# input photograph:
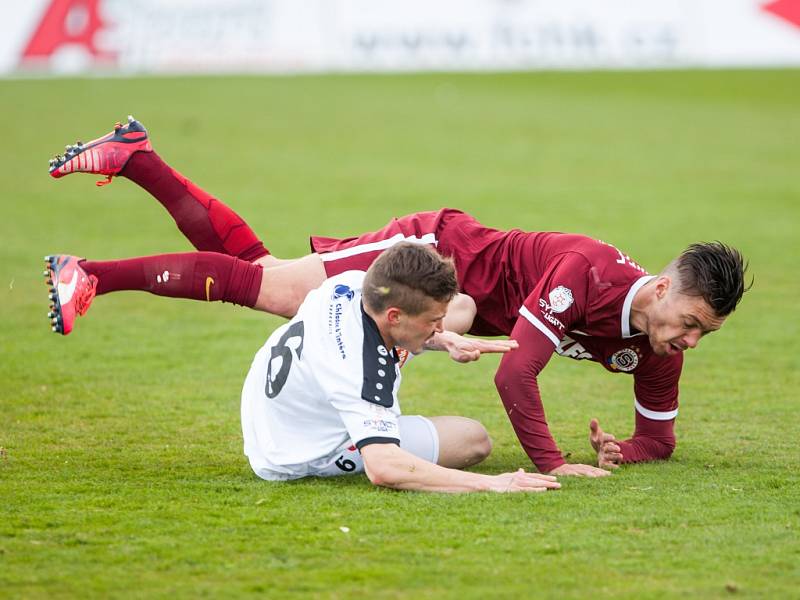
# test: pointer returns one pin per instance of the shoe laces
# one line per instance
(84, 298)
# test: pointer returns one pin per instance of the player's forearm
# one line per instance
(414, 474)
(390, 466)
(651, 440)
(642, 449)
(520, 396)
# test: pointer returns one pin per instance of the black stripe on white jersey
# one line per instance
(379, 365)
(376, 440)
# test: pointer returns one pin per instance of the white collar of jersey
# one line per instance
(626, 306)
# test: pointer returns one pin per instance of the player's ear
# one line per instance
(393, 315)
(663, 283)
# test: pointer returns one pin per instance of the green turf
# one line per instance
(121, 470)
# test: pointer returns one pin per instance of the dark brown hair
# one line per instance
(407, 276)
(715, 272)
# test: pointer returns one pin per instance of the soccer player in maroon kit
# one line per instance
(551, 292)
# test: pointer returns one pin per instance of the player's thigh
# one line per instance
(284, 287)
(269, 261)
(462, 441)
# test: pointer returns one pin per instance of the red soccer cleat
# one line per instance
(104, 156)
(71, 290)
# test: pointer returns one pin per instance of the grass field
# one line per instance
(121, 468)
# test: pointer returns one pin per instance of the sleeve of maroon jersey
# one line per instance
(656, 403)
(559, 298)
(558, 301)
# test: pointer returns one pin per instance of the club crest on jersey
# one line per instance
(342, 291)
(625, 360)
(560, 299)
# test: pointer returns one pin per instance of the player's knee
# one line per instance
(480, 444)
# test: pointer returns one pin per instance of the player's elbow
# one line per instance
(664, 446)
(667, 448)
(508, 378)
(503, 379)
(379, 467)
(652, 448)
(383, 475)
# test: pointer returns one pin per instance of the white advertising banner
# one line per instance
(184, 36)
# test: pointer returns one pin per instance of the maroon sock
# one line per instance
(207, 223)
(196, 275)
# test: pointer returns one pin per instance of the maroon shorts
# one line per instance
(357, 253)
(475, 249)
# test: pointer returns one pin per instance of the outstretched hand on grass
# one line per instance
(579, 470)
(521, 481)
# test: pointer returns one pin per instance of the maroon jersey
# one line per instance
(551, 292)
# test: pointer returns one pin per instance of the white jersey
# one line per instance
(324, 381)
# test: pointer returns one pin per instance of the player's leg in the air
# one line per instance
(211, 226)
(207, 223)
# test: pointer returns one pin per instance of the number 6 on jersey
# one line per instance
(282, 354)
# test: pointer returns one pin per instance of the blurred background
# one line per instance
(290, 36)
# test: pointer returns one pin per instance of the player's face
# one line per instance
(679, 321)
(412, 331)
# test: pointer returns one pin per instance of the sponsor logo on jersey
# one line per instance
(342, 291)
(547, 314)
(560, 299)
(625, 360)
(335, 326)
(379, 410)
(572, 349)
(380, 425)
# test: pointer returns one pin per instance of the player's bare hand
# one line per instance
(463, 350)
(609, 454)
(579, 470)
(520, 481)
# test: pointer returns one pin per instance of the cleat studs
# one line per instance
(51, 296)
(55, 329)
(51, 315)
(46, 272)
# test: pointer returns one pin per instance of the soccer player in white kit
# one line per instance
(321, 395)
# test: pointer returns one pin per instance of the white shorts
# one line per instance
(418, 436)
